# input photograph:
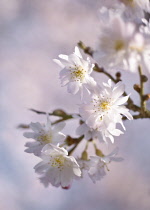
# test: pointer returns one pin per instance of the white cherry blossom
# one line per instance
(89, 133)
(75, 72)
(134, 9)
(106, 109)
(43, 134)
(131, 10)
(120, 45)
(56, 167)
(98, 165)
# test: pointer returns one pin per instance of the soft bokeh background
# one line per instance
(32, 33)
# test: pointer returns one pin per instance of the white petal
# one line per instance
(77, 52)
(58, 127)
(118, 90)
(58, 138)
(117, 159)
(74, 59)
(77, 171)
(81, 129)
(116, 132)
(73, 87)
(64, 72)
(59, 63)
(48, 125)
(88, 135)
(66, 177)
(91, 120)
(36, 127)
(64, 81)
(114, 152)
(40, 167)
(121, 100)
(29, 135)
(128, 115)
(64, 57)
(90, 84)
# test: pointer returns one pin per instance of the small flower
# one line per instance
(43, 134)
(131, 10)
(89, 133)
(98, 165)
(56, 167)
(76, 72)
(106, 109)
(135, 9)
(97, 169)
(123, 47)
(113, 49)
(84, 166)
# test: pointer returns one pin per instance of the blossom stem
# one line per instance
(77, 143)
(143, 102)
(98, 152)
(58, 113)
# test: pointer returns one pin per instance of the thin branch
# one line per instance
(57, 113)
(77, 143)
(143, 102)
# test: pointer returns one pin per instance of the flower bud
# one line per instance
(59, 112)
(69, 140)
(137, 88)
(99, 153)
(84, 155)
(144, 78)
(146, 97)
(67, 187)
(118, 75)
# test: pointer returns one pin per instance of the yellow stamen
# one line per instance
(78, 73)
(58, 161)
(119, 45)
(105, 105)
(45, 139)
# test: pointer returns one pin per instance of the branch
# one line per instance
(57, 113)
(78, 140)
(143, 102)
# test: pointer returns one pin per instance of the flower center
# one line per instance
(78, 74)
(45, 139)
(105, 106)
(57, 161)
(119, 45)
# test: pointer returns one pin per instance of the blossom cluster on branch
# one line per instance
(123, 44)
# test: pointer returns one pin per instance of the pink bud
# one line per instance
(67, 187)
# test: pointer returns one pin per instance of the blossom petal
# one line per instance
(118, 90)
(121, 100)
(77, 52)
(73, 87)
(59, 126)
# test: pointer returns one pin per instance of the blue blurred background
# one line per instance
(33, 32)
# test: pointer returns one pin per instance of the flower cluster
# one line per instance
(123, 44)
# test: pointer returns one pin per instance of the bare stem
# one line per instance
(58, 113)
(143, 102)
(76, 144)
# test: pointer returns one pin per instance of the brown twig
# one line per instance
(143, 102)
(78, 140)
(57, 113)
